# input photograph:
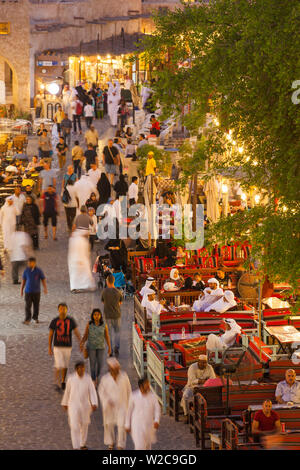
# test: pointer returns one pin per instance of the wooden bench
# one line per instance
(139, 355)
(140, 315)
(203, 423)
(230, 438)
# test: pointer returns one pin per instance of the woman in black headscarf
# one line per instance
(121, 187)
(104, 190)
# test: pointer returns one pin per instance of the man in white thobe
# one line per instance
(143, 416)
(227, 339)
(198, 373)
(113, 99)
(8, 218)
(114, 393)
(79, 400)
(153, 307)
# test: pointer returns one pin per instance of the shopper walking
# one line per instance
(60, 335)
(114, 393)
(112, 299)
(32, 277)
(96, 334)
(79, 400)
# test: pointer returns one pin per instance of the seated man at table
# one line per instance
(152, 306)
(198, 373)
(227, 339)
(288, 390)
(226, 302)
(265, 421)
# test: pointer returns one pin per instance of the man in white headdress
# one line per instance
(8, 218)
(152, 306)
(150, 281)
(113, 99)
(198, 373)
(225, 303)
(143, 416)
(79, 400)
(80, 272)
(227, 339)
(114, 392)
(212, 293)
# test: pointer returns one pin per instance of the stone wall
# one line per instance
(26, 39)
(14, 49)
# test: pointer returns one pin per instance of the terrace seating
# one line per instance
(203, 423)
(230, 438)
(289, 416)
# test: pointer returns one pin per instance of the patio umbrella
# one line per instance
(211, 191)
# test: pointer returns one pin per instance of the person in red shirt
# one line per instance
(155, 128)
(265, 421)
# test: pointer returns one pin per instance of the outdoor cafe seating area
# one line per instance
(164, 346)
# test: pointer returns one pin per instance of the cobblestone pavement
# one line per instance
(30, 413)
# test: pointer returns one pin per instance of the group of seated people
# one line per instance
(265, 421)
(211, 298)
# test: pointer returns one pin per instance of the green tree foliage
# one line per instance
(241, 58)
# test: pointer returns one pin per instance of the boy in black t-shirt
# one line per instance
(61, 152)
(61, 328)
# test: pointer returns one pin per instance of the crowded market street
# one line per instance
(31, 416)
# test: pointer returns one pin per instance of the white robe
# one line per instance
(221, 306)
(80, 395)
(83, 188)
(224, 341)
(81, 277)
(21, 246)
(8, 214)
(143, 412)
(113, 99)
(117, 391)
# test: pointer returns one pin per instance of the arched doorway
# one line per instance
(8, 84)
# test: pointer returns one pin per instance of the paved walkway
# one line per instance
(30, 413)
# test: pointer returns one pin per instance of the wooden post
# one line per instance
(195, 202)
(259, 315)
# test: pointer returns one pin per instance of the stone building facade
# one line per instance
(33, 26)
(28, 28)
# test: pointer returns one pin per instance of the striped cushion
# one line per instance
(277, 369)
(228, 252)
(146, 264)
(246, 247)
(178, 376)
(241, 396)
(254, 346)
(191, 349)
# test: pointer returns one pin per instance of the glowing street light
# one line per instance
(53, 88)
